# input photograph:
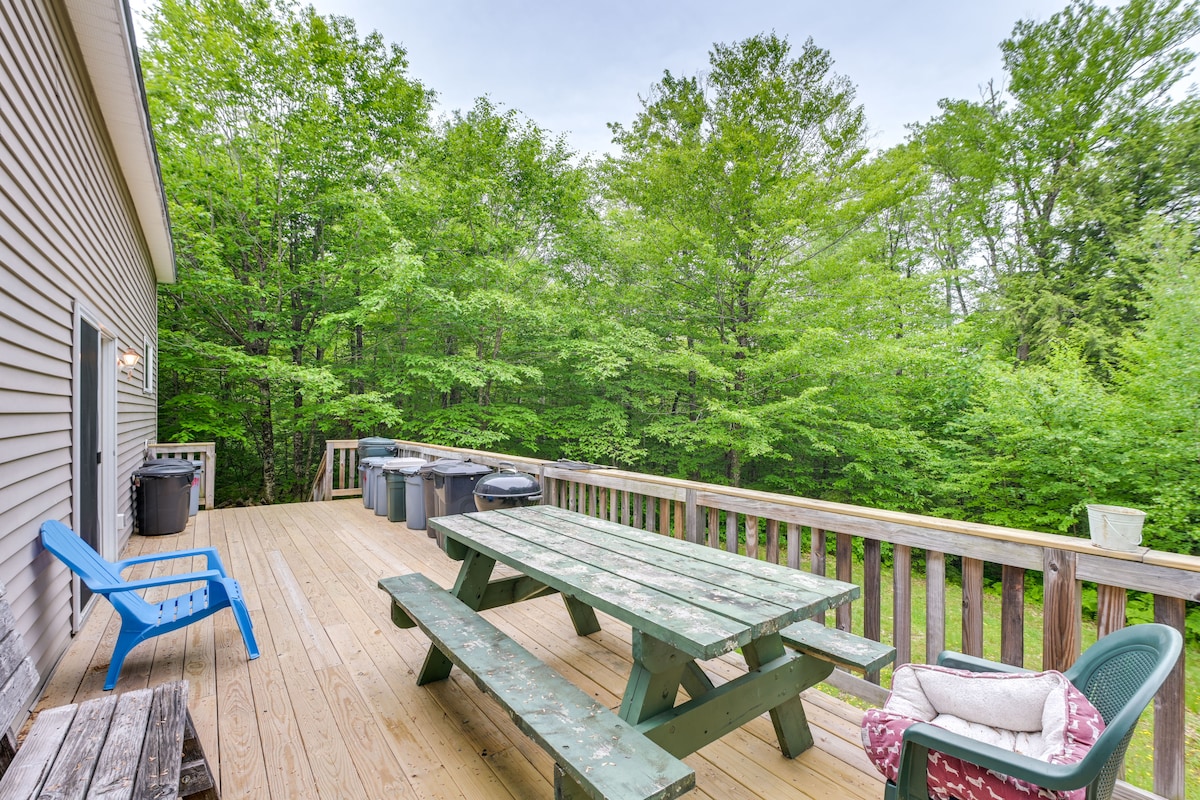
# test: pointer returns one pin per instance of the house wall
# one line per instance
(68, 236)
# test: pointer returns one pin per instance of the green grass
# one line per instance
(1139, 762)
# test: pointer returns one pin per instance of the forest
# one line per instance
(993, 321)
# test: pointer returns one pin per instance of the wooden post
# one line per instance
(1012, 617)
(1169, 711)
(731, 531)
(714, 528)
(972, 607)
(1061, 623)
(210, 474)
(330, 449)
(902, 603)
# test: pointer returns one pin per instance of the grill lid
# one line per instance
(507, 482)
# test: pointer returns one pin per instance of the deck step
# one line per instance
(605, 755)
(844, 649)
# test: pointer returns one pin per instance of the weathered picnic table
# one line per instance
(686, 604)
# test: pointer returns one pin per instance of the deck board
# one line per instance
(332, 709)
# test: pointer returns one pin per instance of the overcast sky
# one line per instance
(572, 66)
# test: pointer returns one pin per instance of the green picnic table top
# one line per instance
(699, 600)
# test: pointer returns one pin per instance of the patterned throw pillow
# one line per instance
(1038, 714)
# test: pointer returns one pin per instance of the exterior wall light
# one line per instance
(128, 360)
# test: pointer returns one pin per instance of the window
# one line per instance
(148, 366)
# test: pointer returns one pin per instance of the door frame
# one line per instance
(107, 411)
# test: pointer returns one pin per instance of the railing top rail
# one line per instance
(742, 500)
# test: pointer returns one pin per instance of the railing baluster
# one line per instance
(751, 536)
(872, 611)
(773, 540)
(935, 605)
(793, 545)
(1012, 617)
(902, 603)
(818, 559)
(972, 607)
(714, 528)
(731, 531)
(1110, 609)
(844, 571)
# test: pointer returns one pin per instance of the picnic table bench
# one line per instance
(685, 603)
(596, 753)
(138, 745)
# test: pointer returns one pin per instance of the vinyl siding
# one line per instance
(68, 235)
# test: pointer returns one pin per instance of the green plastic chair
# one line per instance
(1120, 675)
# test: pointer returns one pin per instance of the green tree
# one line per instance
(277, 130)
(1087, 87)
(726, 185)
(1156, 431)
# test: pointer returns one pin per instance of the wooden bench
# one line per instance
(841, 648)
(136, 745)
(596, 753)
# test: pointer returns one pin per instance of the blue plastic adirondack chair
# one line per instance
(141, 620)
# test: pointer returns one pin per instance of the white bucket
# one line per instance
(1115, 527)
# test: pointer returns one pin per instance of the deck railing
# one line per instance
(782, 529)
(204, 452)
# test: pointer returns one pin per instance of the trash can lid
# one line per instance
(428, 467)
(373, 461)
(374, 440)
(165, 468)
(402, 464)
(459, 468)
(507, 482)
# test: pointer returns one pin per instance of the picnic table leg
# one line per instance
(654, 679)
(789, 719)
(470, 588)
(583, 616)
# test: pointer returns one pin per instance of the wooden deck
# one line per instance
(331, 708)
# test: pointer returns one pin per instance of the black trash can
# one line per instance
(507, 488)
(454, 485)
(377, 446)
(164, 492)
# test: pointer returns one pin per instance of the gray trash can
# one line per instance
(194, 509)
(379, 491)
(364, 478)
(394, 471)
(414, 500)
